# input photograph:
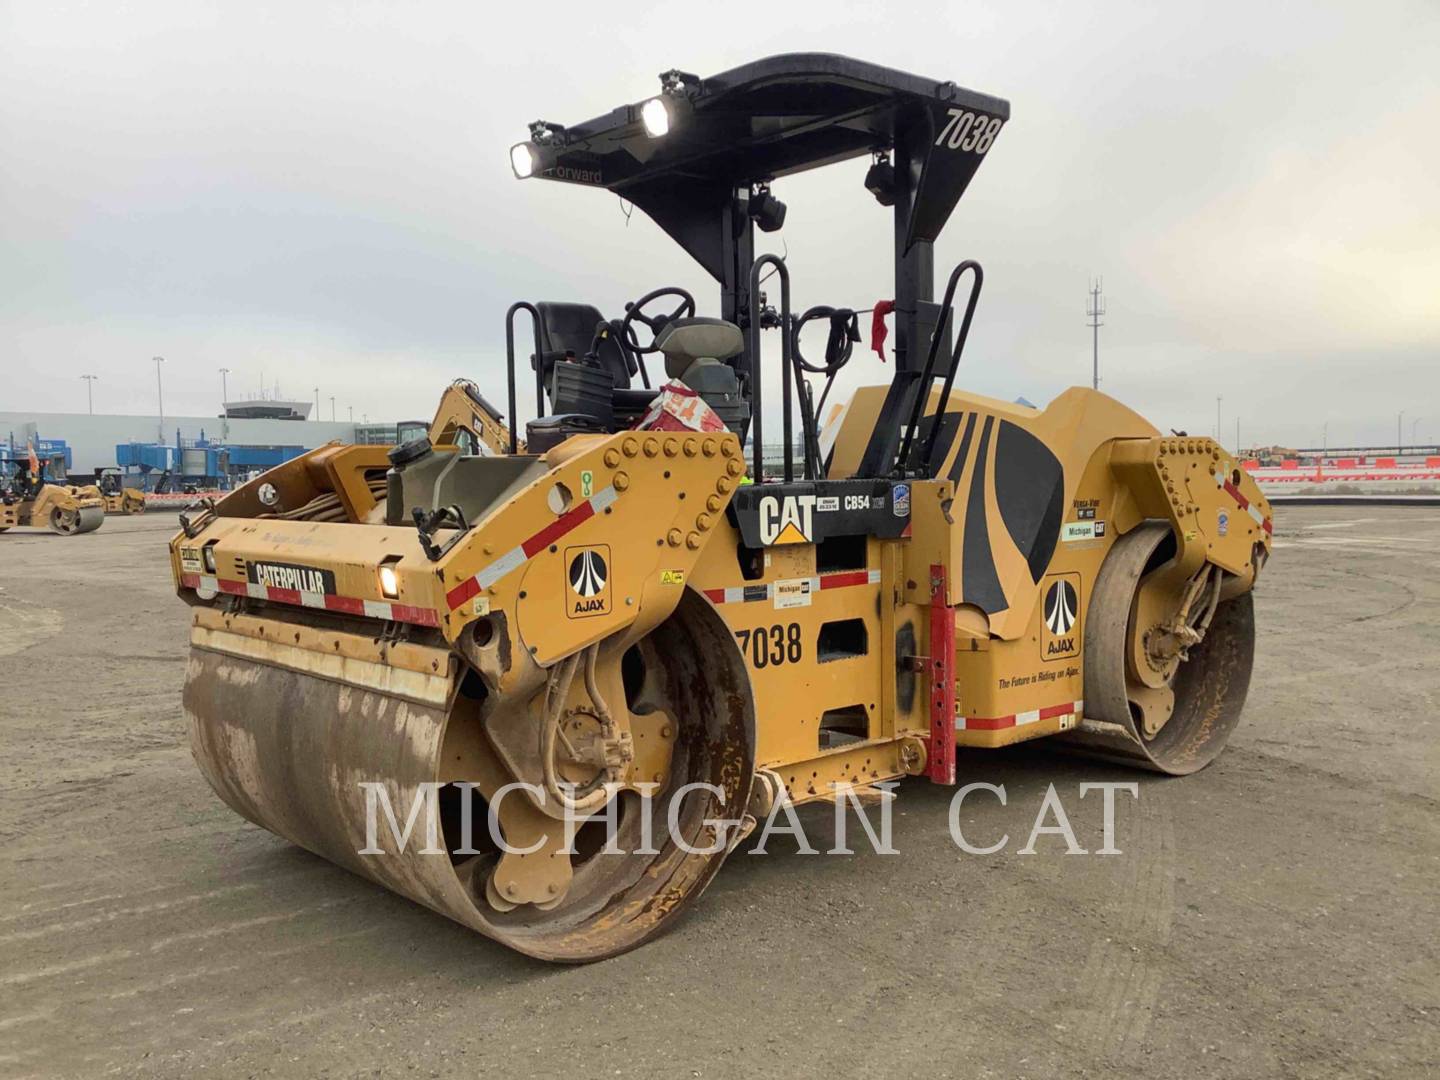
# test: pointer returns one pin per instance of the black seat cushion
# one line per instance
(571, 328)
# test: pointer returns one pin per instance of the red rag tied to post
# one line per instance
(878, 331)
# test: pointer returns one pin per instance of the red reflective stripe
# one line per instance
(462, 592)
(347, 604)
(996, 723)
(988, 723)
(843, 580)
(1234, 493)
(410, 614)
(558, 528)
(1268, 526)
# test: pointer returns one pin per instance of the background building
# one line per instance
(92, 439)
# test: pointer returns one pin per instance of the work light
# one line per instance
(523, 158)
(766, 209)
(539, 152)
(655, 115)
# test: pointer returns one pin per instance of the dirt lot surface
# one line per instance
(1275, 915)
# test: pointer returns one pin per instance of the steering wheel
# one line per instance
(656, 323)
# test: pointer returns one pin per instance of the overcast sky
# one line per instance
(320, 194)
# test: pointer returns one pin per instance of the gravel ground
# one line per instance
(1275, 915)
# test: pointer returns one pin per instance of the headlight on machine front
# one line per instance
(389, 582)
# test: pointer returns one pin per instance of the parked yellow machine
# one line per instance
(59, 508)
(623, 611)
(466, 420)
(114, 495)
(108, 488)
(27, 500)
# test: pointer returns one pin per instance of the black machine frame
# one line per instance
(704, 181)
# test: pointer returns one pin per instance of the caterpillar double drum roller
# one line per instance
(635, 601)
(109, 487)
(29, 500)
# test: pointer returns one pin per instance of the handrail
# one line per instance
(927, 374)
(756, 399)
(521, 305)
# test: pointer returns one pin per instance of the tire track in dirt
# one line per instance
(92, 921)
(1121, 981)
(113, 956)
(23, 624)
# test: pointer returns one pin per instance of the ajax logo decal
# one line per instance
(1060, 607)
(587, 570)
(787, 519)
(1061, 636)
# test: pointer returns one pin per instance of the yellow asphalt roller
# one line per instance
(630, 637)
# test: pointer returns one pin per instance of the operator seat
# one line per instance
(570, 329)
(586, 371)
(695, 353)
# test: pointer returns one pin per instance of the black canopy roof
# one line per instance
(782, 115)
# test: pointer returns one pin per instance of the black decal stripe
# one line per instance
(957, 469)
(980, 585)
(1030, 491)
(949, 425)
(881, 450)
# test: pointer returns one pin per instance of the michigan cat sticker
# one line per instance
(587, 576)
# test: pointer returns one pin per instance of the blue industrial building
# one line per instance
(201, 451)
(201, 461)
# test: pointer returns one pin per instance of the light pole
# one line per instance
(352, 412)
(1413, 424)
(1218, 399)
(1325, 439)
(332, 408)
(1400, 433)
(160, 396)
(1094, 309)
(224, 389)
(317, 403)
(90, 391)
